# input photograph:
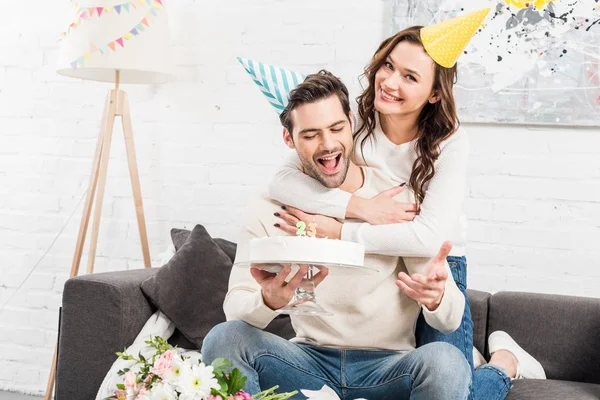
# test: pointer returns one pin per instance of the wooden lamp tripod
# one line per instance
(116, 104)
(107, 44)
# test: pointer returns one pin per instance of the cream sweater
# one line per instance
(441, 218)
(370, 311)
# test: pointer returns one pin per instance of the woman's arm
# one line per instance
(291, 186)
(440, 211)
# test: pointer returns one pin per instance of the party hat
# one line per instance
(274, 82)
(445, 41)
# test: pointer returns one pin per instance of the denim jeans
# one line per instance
(434, 371)
(489, 382)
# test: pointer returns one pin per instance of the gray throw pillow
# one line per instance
(191, 287)
(179, 237)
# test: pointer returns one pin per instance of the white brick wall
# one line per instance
(208, 141)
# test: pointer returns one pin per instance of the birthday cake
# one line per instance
(306, 250)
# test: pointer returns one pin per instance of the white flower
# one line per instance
(196, 383)
(173, 374)
(161, 391)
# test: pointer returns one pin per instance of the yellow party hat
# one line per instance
(446, 40)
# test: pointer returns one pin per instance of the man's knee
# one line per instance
(450, 367)
(225, 337)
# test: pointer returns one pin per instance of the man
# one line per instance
(367, 348)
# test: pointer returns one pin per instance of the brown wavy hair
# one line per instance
(436, 122)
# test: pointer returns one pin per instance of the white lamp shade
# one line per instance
(109, 35)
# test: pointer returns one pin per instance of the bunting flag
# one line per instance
(136, 30)
(275, 83)
(86, 13)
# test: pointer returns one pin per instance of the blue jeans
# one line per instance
(489, 382)
(434, 371)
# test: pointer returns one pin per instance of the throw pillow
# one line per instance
(179, 237)
(191, 287)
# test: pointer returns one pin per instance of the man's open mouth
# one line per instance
(330, 163)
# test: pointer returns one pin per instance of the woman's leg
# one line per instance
(488, 383)
(462, 338)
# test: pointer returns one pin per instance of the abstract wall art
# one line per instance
(531, 62)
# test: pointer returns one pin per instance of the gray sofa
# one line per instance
(102, 313)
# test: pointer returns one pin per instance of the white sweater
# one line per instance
(441, 218)
(370, 311)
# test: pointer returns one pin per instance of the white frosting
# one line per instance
(306, 250)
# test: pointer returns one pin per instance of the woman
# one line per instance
(408, 128)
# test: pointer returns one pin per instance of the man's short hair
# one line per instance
(315, 87)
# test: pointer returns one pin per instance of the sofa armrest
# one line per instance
(101, 314)
(561, 332)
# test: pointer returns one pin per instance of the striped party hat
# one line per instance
(274, 82)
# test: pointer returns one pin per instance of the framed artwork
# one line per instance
(531, 62)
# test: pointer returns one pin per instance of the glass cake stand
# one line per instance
(304, 301)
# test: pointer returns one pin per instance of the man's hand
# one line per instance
(428, 289)
(326, 226)
(382, 209)
(276, 291)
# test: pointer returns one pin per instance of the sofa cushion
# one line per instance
(534, 389)
(180, 236)
(561, 332)
(191, 287)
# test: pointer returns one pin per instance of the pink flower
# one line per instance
(130, 380)
(163, 364)
(121, 394)
(213, 397)
(244, 395)
(148, 378)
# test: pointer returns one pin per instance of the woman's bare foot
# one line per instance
(518, 363)
(506, 360)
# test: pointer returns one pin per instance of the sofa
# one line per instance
(103, 313)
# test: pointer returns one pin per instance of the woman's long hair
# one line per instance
(436, 122)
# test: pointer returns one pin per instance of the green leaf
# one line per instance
(120, 386)
(221, 365)
(236, 381)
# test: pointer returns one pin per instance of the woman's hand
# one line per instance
(326, 226)
(382, 209)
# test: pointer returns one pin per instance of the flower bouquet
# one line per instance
(170, 375)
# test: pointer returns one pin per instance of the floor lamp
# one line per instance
(117, 42)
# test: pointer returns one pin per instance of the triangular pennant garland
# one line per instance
(136, 30)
